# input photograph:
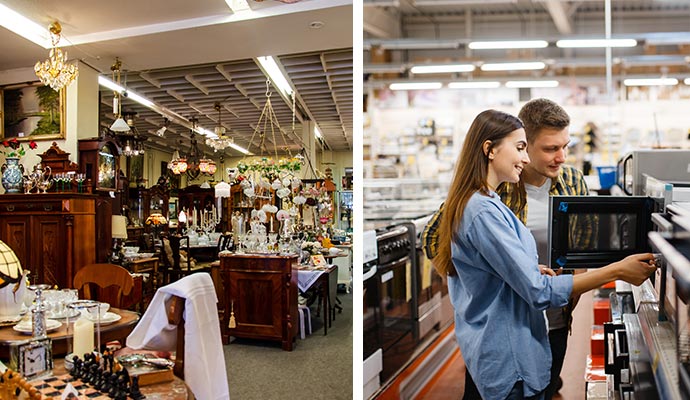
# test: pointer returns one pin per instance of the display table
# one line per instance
(261, 291)
(325, 279)
(62, 340)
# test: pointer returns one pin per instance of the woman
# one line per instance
(497, 288)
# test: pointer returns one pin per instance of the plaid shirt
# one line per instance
(570, 182)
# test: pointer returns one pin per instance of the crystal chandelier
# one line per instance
(222, 141)
(56, 72)
(132, 142)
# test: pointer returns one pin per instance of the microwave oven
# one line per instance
(671, 165)
(593, 231)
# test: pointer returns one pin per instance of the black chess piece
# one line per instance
(134, 391)
(76, 371)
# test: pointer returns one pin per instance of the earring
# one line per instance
(491, 156)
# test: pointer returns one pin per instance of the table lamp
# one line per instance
(119, 232)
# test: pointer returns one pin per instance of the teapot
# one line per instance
(13, 293)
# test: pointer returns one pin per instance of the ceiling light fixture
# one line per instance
(532, 84)
(161, 132)
(317, 132)
(221, 141)
(514, 66)
(194, 163)
(415, 86)
(119, 125)
(273, 72)
(440, 69)
(509, 44)
(56, 72)
(474, 85)
(24, 27)
(579, 43)
(650, 82)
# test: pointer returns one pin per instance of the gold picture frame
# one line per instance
(32, 111)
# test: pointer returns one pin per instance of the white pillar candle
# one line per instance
(271, 224)
(83, 336)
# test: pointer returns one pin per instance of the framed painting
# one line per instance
(32, 111)
(135, 170)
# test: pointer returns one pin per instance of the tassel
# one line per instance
(232, 324)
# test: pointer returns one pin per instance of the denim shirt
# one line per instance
(498, 295)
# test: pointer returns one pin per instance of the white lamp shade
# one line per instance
(119, 225)
(222, 189)
(10, 267)
(182, 217)
(119, 126)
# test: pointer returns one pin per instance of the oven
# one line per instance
(430, 287)
(397, 297)
(371, 317)
(671, 165)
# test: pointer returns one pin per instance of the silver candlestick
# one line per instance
(38, 312)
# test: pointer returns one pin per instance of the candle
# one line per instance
(83, 337)
(271, 224)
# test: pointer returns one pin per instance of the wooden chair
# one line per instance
(174, 308)
(112, 280)
(172, 264)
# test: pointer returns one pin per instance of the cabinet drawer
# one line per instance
(31, 206)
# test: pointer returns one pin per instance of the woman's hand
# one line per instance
(636, 268)
(546, 270)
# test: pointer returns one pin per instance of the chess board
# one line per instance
(52, 387)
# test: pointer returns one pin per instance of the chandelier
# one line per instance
(56, 72)
(222, 141)
(132, 142)
(194, 163)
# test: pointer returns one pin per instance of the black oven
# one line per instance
(397, 297)
(593, 231)
(430, 287)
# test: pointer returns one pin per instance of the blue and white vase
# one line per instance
(12, 175)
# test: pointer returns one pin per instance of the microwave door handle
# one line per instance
(625, 162)
(369, 274)
(674, 259)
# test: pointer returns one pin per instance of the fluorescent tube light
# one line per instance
(509, 44)
(650, 82)
(686, 81)
(103, 81)
(440, 69)
(240, 149)
(25, 27)
(570, 43)
(531, 84)
(415, 86)
(474, 85)
(516, 66)
(317, 132)
(274, 73)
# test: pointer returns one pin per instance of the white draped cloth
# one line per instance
(204, 363)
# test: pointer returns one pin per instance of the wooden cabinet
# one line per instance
(53, 235)
(262, 293)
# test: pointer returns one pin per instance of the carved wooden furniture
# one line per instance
(58, 160)
(261, 292)
(104, 276)
(52, 234)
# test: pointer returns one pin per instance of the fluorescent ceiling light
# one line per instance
(651, 82)
(274, 73)
(531, 84)
(686, 81)
(317, 132)
(440, 69)
(238, 5)
(103, 81)
(509, 44)
(240, 149)
(517, 66)
(474, 85)
(569, 43)
(415, 86)
(25, 27)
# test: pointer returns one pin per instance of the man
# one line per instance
(546, 127)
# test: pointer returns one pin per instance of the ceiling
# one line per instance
(186, 56)
(401, 33)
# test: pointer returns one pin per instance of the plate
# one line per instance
(68, 313)
(107, 318)
(25, 326)
(6, 320)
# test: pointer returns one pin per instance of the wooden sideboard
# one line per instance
(261, 290)
(53, 234)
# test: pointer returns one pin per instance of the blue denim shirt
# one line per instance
(498, 295)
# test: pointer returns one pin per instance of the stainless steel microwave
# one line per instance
(593, 231)
(671, 165)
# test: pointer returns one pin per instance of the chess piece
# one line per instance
(134, 391)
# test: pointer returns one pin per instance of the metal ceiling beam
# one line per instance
(381, 23)
(559, 16)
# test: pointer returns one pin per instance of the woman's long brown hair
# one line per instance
(470, 175)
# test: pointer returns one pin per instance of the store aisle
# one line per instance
(450, 382)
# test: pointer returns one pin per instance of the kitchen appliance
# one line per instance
(397, 296)
(371, 316)
(671, 165)
(593, 231)
(430, 287)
